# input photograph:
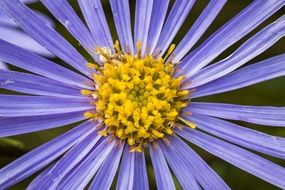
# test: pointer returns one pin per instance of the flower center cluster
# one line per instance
(136, 97)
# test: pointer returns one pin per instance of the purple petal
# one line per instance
(231, 32)
(198, 28)
(162, 174)
(17, 56)
(241, 158)
(204, 174)
(38, 158)
(68, 161)
(175, 19)
(99, 27)
(10, 32)
(3, 66)
(263, 115)
(105, 175)
(21, 39)
(67, 16)
(127, 169)
(178, 167)
(158, 15)
(33, 84)
(252, 74)
(249, 138)
(121, 14)
(21, 125)
(142, 22)
(29, 1)
(85, 171)
(250, 49)
(140, 175)
(16, 106)
(6, 21)
(36, 27)
(39, 177)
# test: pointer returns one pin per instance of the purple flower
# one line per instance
(133, 101)
(9, 31)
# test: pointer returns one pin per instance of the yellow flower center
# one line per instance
(136, 97)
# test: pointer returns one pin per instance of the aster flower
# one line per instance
(10, 32)
(134, 97)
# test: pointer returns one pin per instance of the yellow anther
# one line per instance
(120, 133)
(142, 132)
(183, 93)
(157, 134)
(93, 66)
(136, 149)
(170, 50)
(188, 123)
(136, 97)
(131, 141)
(89, 115)
(104, 133)
(139, 48)
(85, 92)
(117, 46)
(169, 131)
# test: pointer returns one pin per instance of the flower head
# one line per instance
(137, 96)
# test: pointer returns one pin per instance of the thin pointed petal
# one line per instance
(19, 106)
(204, 174)
(99, 28)
(249, 75)
(85, 171)
(140, 175)
(262, 115)
(250, 49)
(249, 138)
(68, 162)
(158, 15)
(38, 158)
(142, 22)
(235, 29)
(18, 57)
(21, 125)
(162, 173)
(36, 27)
(65, 14)
(178, 167)
(127, 170)
(33, 84)
(106, 174)
(121, 14)
(174, 21)
(198, 29)
(243, 159)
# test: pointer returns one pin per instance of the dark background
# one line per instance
(267, 93)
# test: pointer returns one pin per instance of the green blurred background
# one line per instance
(267, 93)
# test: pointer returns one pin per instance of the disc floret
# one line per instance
(136, 97)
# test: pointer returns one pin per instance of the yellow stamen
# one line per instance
(89, 115)
(136, 96)
(170, 50)
(85, 92)
(117, 46)
(139, 48)
(103, 133)
(188, 123)
(93, 66)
